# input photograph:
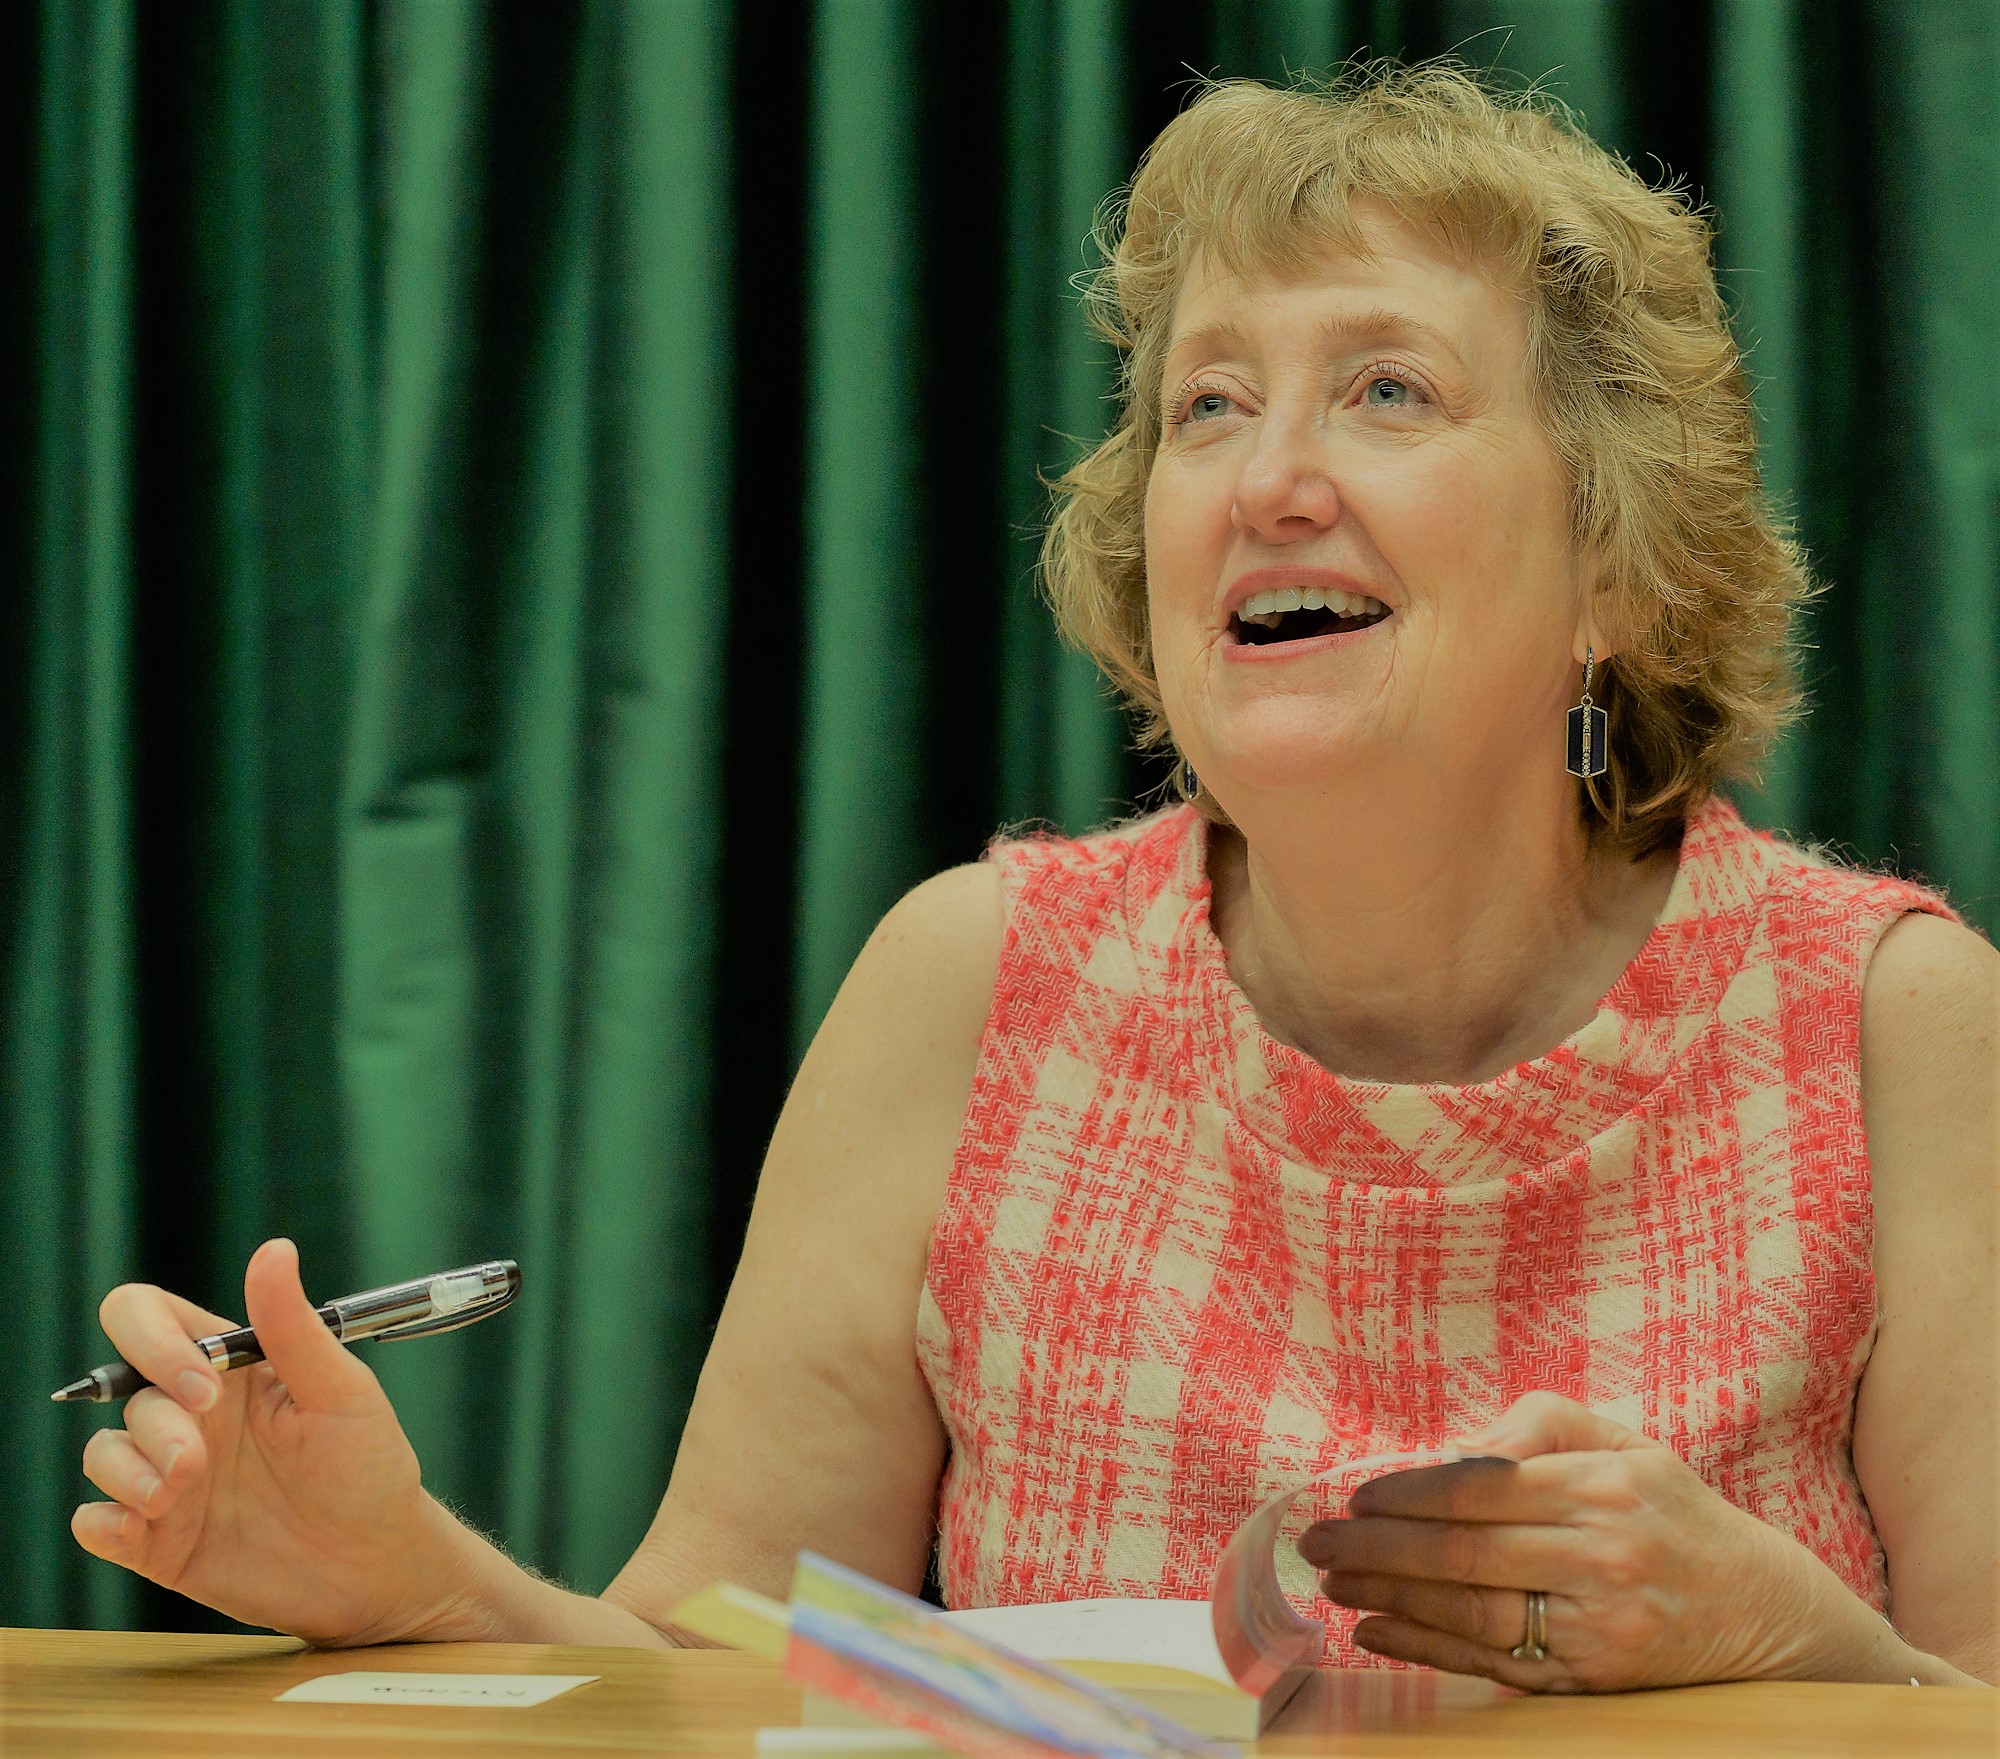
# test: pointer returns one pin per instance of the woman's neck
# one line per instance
(1439, 941)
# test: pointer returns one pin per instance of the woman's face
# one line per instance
(1361, 432)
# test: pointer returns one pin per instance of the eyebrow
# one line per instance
(1343, 330)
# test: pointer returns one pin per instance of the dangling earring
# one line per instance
(1186, 783)
(1588, 739)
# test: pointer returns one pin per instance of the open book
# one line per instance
(1106, 1679)
(888, 1675)
(1160, 1654)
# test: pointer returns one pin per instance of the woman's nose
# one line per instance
(1286, 490)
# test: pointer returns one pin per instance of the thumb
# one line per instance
(315, 1366)
(1545, 1423)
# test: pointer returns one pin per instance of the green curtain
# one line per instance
(524, 517)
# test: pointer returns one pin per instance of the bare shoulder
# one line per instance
(935, 954)
(879, 1098)
(1930, 1100)
(1930, 1039)
(1920, 953)
(901, 1040)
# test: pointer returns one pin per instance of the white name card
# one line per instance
(456, 1690)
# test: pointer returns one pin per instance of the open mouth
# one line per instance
(1292, 615)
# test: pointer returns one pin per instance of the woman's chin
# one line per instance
(1287, 771)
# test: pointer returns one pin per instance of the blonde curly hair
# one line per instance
(1638, 384)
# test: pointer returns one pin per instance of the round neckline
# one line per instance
(1535, 1119)
(1212, 959)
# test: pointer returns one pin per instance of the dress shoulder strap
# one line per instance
(1065, 895)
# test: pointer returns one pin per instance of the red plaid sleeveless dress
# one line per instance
(1180, 1264)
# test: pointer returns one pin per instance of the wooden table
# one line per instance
(139, 1695)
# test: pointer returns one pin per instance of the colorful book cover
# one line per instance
(894, 1658)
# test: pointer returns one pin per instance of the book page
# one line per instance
(1158, 1633)
(459, 1690)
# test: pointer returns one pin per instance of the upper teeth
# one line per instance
(1270, 605)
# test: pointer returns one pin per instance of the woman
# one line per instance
(1412, 1084)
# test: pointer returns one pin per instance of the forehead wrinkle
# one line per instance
(1381, 323)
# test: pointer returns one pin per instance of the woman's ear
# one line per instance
(1594, 633)
(1591, 638)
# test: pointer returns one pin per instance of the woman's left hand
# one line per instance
(1651, 1578)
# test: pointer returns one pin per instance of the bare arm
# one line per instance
(811, 1424)
(288, 1495)
(1927, 1421)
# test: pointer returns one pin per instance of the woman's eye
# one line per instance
(1205, 405)
(1388, 393)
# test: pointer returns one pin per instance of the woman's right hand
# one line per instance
(283, 1494)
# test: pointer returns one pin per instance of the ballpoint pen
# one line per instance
(403, 1310)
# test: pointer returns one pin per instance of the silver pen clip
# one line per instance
(441, 1303)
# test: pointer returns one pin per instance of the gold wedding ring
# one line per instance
(1533, 1645)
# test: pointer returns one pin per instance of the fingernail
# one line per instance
(173, 1454)
(122, 1525)
(1317, 1544)
(198, 1391)
(148, 1487)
